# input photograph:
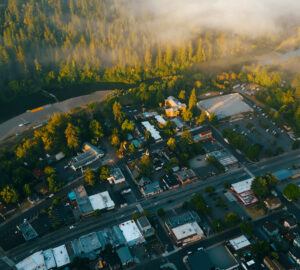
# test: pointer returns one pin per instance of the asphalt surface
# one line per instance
(160, 201)
(11, 126)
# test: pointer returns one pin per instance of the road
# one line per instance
(183, 193)
(11, 126)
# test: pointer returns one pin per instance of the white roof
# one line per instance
(239, 242)
(225, 106)
(61, 256)
(130, 231)
(159, 119)
(49, 259)
(154, 133)
(33, 262)
(242, 186)
(101, 201)
(186, 230)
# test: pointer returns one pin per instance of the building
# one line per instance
(186, 176)
(173, 106)
(272, 203)
(227, 106)
(290, 222)
(144, 181)
(272, 264)
(125, 255)
(83, 201)
(294, 252)
(34, 262)
(90, 154)
(112, 261)
(151, 189)
(160, 120)
(49, 259)
(154, 133)
(239, 243)
(116, 176)
(112, 236)
(286, 174)
(204, 136)
(101, 201)
(184, 228)
(243, 192)
(61, 256)
(296, 242)
(270, 228)
(187, 233)
(131, 233)
(217, 257)
(171, 181)
(224, 158)
(27, 230)
(179, 124)
(145, 226)
(90, 243)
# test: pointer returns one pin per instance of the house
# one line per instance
(171, 181)
(116, 176)
(290, 222)
(173, 106)
(154, 133)
(270, 228)
(186, 176)
(151, 189)
(272, 203)
(145, 226)
(124, 255)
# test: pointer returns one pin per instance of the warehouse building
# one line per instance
(227, 106)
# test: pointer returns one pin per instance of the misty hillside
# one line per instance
(46, 44)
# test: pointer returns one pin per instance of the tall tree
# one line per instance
(89, 177)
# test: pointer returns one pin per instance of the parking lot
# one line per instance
(261, 130)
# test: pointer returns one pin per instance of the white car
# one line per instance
(71, 227)
(21, 125)
(189, 252)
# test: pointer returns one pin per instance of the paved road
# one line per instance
(10, 127)
(93, 224)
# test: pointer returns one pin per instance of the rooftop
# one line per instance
(61, 256)
(27, 230)
(224, 157)
(186, 174)
(153, 187)
(160, 120)
(35, 261)
(143, 222)
(117, 174)
(270, 227)
(187, 230)
(200, 258)
(225, 106)
(130, 231)
(124, 255)
(221, 257)
(239, 242)
(49, 259)
(170, 180)
(187, 217)
(82, 200)
(101, 201)
(242, 186)
(90, 242)
(154, 133)
(112, 236)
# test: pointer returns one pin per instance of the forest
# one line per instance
(47, 44)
